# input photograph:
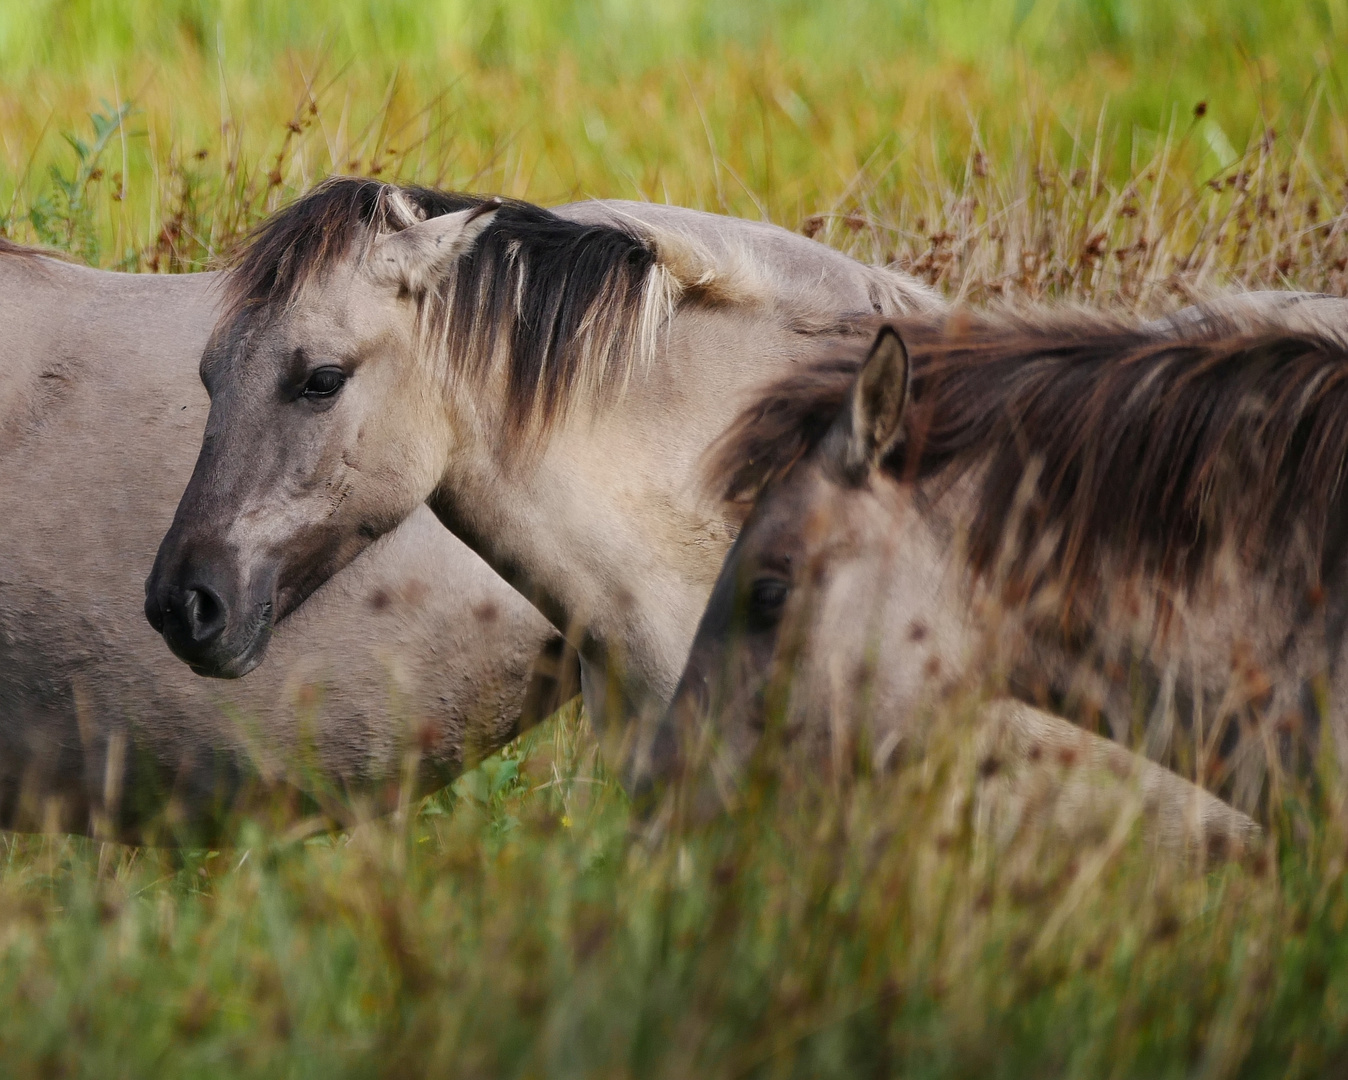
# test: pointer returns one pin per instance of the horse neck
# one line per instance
(605, 526)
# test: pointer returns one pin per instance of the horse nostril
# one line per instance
(203, 614)
(154, 614)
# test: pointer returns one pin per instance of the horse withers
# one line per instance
(1136, 526)
(416, 647)
(545, 380)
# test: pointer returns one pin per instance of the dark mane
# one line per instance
(563, 302)
(1106, 437)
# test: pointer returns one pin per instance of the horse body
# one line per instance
(1138, 527)
(101, 411)
(546, 382)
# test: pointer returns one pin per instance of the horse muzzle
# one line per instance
(213, 636)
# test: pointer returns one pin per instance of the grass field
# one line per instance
(1129, 153)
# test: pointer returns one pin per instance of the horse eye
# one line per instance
(324, 382)
(767, 597)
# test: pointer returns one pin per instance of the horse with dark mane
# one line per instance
(546, 380)
(1140, 527)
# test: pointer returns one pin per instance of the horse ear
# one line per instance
(872, 422)
(419, 255)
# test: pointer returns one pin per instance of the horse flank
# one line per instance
(1132, 444)
(568, 310)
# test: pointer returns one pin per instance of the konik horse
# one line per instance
(1140, 527)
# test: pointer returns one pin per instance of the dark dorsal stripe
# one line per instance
(1151, 449)
(9, 247)
(552, 296)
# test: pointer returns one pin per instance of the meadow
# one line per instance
(521, 923)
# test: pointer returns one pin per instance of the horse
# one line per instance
(545, 380)
(1138, 527)
(417, 647)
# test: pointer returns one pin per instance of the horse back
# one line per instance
(88, 341)
(765, 262)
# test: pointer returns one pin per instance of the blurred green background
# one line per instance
(774, 108)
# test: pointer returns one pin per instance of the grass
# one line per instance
(520, 924)
(514, 927)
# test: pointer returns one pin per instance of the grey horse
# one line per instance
(418, 646)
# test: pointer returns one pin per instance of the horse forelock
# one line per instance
(1111, 439)
(318, 231)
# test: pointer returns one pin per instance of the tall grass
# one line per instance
(515, 927)
(523, 923)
